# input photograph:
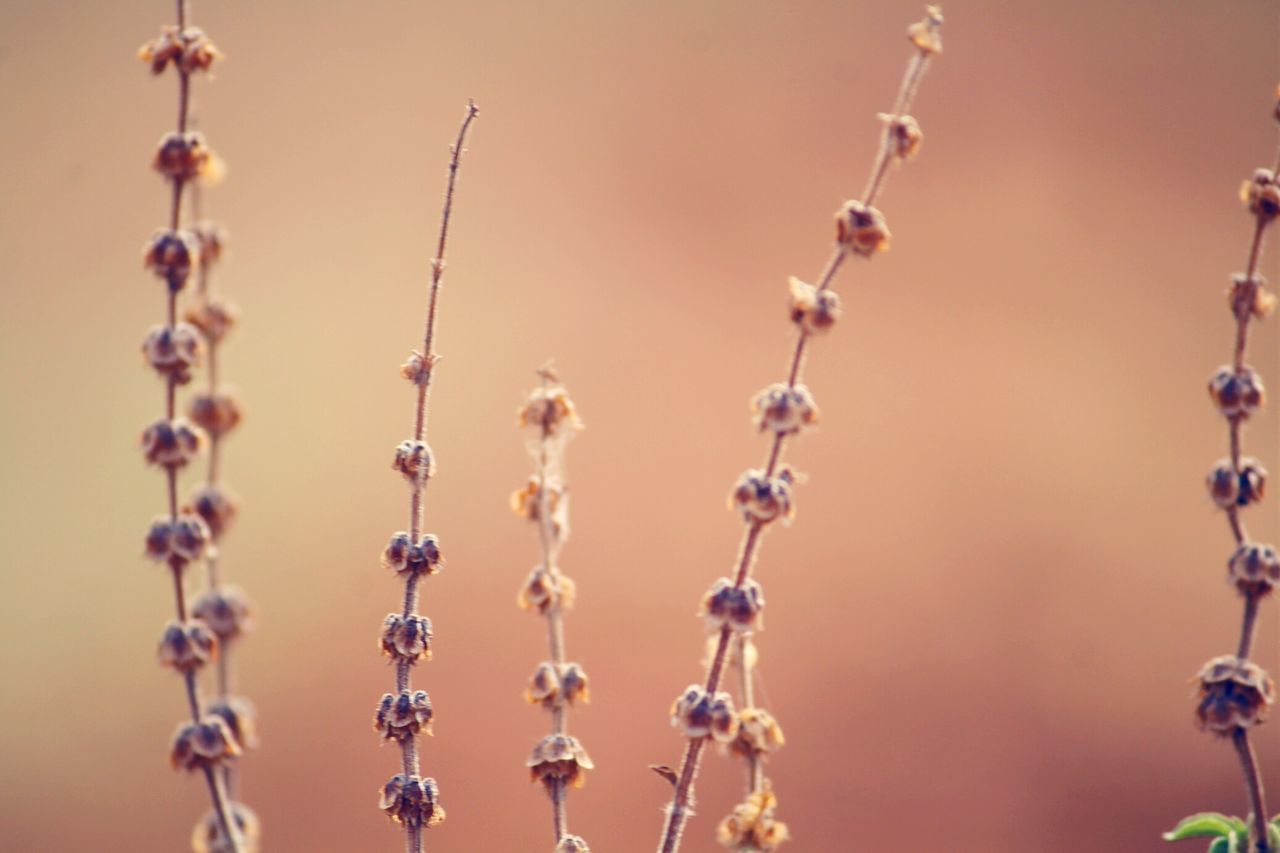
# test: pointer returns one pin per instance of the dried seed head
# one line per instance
(180, 540)
(813, 310)
(204, 744)
(414, 460)
(212, 317)
(861, 229)
(181, 156)
(170, 255)
(752, 828)
(211, 238)
(758, 732)
(401, 717)
(572, 844)
(216, 505)
(226, 610)
(404, 557)
(924, 34)
(544, 590)
(1223, 484)
(406, 639)
(1253, 481)
(784, 409)
(1249, 297)
(412, 801)
(1261, 195)
(550, 690)
(1254, 569)
(217, 412)
(551, 410)
(187, 646)
(1233, 693)
(559, 758)
(740, 609)
(763, 499)
(905, 135)
(171, 443)
(172, 351)
(189, 50)
(208, 837)
(418, 367)
(527, 502)
(239, 715)
(699, 714)
(1237, 394)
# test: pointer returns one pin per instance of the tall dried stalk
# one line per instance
(1234, 694)
(559, 760)
(408, 798)
(182, 537)
(733, 605)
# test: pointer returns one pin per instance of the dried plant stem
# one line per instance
(680, 807)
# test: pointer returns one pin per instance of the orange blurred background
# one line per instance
(1004, 567)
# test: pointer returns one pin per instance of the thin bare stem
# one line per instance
(1253, 781)
(679, 809)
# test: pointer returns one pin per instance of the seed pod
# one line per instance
(1236, 393)
(171, 443)
(813, 310)
(181, 156)
(905, 136)
(401, 717)
(179, 541)
(406, 639)
(1233, 693)
(552, 688)
(217, 412)
(172, 351)
(1261, 195)
(861, 229)
(551, 410)
(412, 801)
(217, 506)
(546, 589)
(758, 732)
(226, 610)
(1253, 481)
(763, 499)
(784, 409)
(189, 50)
(699, 714)
(207, 743)
(1254, 569)
(240, 716)
(740, 609)
(187, 646)
(208, 838)
(1223, 484)
(1249, 297)
(414, 460)
(404, 557)
(213, 317)
(752, 826)
(170, 255)
(924, 34)
(572, 844)
(559, 758)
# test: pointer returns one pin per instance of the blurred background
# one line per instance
(1004, 568)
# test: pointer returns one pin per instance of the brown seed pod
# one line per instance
(861, 229)
(1223, 484)
(171, 443)
(172, 351)
(187, 646)
(699, 714)
(762, 499)
(240, 716)
(752, 825)
(402, 716)
(559, 758)
(813, 310)
(170, 255)
(208, 838)
(412, 801)
(1236, 393)
(924, 33)
(740, 609)
(216, 505)
(226, 610)
(551, 410)
(572, 844)
(1249, 297)
(1233, 693)
(552, 687)
(207, 743)
(404, 557)
(213, 317)
(217, 412)
(406, 639)
(758, 732)
(1261, 195)
(1253, 481)
(784, 409)
(905, 135)
(1254, 569)
(180, 541)
(414, 460)
(189, 50)
(544, 589)
(181, 156)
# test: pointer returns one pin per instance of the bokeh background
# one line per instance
(1004, 567)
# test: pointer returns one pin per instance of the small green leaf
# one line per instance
(1221, 844)
(1273, 835)
(1203, 825)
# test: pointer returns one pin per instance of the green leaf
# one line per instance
(1273, 835)
(1221, 844)
(1203, 825)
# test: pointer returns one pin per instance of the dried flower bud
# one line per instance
(173, 350)
(762, 499)
(415, 461)
(212, 317)
(403, 557)
(905, 135)
(1233, 693)
(211, 238)
(406, 639)
(699, 714)
(1253, 481)
(171, 443)
(861, 229)
(204, 744)
(180, 540)
(550, 690)
(170, 255)
(784, 409)
(924, 34)
(551, 410)
(217, 412)
(559, 758)
(208, 837)
(187, 646)
(752, 828)
(1254, 569)
(181, 156)
(216, 505)
(572, 844)
(226, 610)
(412, 801)
(526, 502)
(402, 716)
(740, 609)
(189, 50)
(813, 310)
(758, 732)
(1223, 484)
(545, 589)
(1249, 297)
(418, 367)
(1261, 195)
(1237, 394)
(239, 715)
